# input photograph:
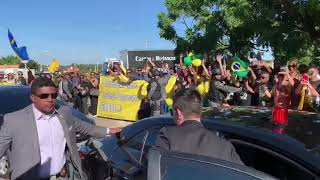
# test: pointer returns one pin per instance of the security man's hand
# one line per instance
(115, 130)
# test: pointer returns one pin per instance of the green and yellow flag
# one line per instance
(239, 67)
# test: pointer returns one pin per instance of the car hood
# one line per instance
(302, 126)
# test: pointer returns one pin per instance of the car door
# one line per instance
(137, 147)
(275, 154)
(169, 165)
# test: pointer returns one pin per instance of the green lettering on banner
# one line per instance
(120, 100)
(110, 107)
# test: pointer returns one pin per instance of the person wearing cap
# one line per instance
(218, 90)
(21, 80)
(157, 91)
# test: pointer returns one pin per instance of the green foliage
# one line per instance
(9, 60)
(290, 28)
(13, 60)
(32, 64)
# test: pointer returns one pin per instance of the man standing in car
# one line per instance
(42, 137)
(189, 135)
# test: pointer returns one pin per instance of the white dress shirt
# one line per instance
(52, 143)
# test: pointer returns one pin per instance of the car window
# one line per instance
(151, 136)
(134, 146)
(176, 168)
(270, 162)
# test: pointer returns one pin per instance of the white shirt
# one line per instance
(52, 143)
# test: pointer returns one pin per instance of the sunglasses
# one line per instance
(46, 96)
(20, 74)
(292, 66)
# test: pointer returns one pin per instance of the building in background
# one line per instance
(136, 58)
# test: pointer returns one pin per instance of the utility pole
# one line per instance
(146, 44)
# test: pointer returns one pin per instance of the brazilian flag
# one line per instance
(239, 67)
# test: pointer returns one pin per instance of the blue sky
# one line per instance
(80, 31)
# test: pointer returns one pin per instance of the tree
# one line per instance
(289, 28)
(13, 60)
(32, 64)
(9, 60)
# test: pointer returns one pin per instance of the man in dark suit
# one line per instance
(42, 137)
(189, 135)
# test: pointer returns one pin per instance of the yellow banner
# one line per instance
(7, 84)
(120, 100)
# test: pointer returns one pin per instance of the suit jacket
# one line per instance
(19, 134)
(192, 137)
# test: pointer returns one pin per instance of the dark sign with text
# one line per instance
(136, 59)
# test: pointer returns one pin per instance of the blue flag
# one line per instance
(21, 52)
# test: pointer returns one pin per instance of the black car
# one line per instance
(169, 165)
(293, 155)
(14, 98)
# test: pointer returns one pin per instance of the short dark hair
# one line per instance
(41, 82)
(303, 68)
(189, 101)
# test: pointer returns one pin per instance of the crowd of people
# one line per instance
(19, 79)
(212, 83)
(75, 89)
(295, 86)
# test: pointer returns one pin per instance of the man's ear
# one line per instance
(180, 117)
(32, 97)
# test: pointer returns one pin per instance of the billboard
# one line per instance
(136, 59)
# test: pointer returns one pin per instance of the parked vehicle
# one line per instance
(14, 98)
(293, 155)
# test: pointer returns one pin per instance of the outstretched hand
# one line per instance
(115, 130)
(219, 58)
